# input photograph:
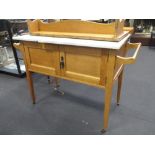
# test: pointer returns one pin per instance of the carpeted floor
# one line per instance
(80, 110)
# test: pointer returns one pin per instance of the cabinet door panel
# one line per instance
(82, 63)
(42, 60)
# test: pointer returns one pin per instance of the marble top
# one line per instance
(73, 42)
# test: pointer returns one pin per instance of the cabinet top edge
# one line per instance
(73, 42)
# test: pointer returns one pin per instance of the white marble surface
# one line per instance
(74, 42)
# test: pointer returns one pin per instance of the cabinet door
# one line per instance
(42, 58)
(81, 64)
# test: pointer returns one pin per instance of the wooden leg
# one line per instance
(108, 89)
(120, 79)
(21, 48)
(30, 82)
(107, 103)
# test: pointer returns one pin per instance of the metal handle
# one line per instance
(62, 64)
(130, 60)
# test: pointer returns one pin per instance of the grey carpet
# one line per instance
(80, 110)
